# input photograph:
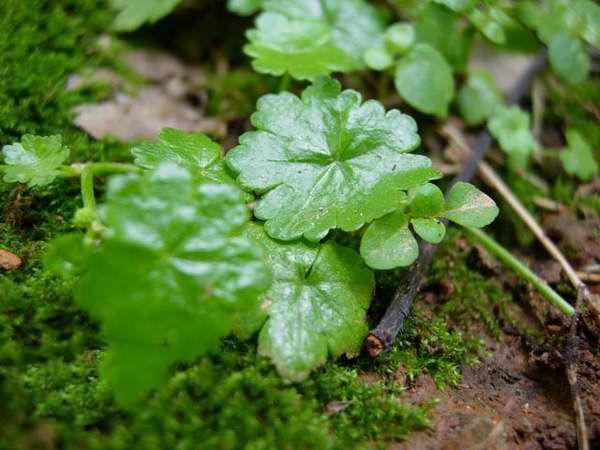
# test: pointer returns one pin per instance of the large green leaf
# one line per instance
(479, 97)
(36, 160)
(578, 158)
(316, 305)
(327, 161)
(424, 79)
(134, 13)
(174, 268)
(308, 38)
(511, 127)
(569, 58)
(389, 243)
(466, 205)
(194, 151)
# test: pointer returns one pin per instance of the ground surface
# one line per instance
(478, 341)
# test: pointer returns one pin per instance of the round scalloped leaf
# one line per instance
(170, 274)
(36, 160)
(308, 38)
(316, 305)
(301, 47)
(430, 230)
(326, 161)
(424, 79)
(388, 243)
(194, 151)
(466, 205)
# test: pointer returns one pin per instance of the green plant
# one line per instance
(168, 260)
(171, 261)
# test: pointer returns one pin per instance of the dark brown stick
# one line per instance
(381, 338)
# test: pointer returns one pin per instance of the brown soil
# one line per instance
(519, 398)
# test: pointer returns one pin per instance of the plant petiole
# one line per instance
(87, 172)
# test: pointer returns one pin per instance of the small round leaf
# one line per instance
(424, 79)
(466, 205)
(388, 243)
(430, 230)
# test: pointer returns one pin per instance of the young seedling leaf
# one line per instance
(165, 282)
(479, 97)
(314, 37)
(466, 205)
(426, 201)
(444, 30)
(35, 160)
(316, 305)
(244, 7)
(511, 127)
(194, 151)
(578, 158)
(327, 161)
(388, 243)
(134, 13)
(430, 230)
(569, 58)
(378, 58)
(400, 37)
(424, 79)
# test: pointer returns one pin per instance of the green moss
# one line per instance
(373, 412)
(429, 344)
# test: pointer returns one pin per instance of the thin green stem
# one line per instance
(89, 171)
(284, 84)
(87, 187)
(508, 259)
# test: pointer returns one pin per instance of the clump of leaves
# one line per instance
(311, 38)
(354, 170)
(388, 241)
